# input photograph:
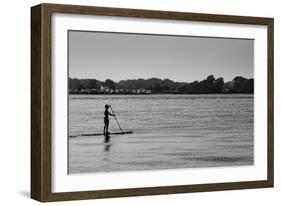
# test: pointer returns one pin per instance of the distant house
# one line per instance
(141, 91)
(148, 91)
(105, 89)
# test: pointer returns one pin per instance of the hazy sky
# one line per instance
(120, 56)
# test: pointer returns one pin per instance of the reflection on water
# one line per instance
(170, 131)
(107, 147)
(107, 140)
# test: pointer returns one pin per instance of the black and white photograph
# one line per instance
(155, 102)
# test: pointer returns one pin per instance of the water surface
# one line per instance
(170, 131)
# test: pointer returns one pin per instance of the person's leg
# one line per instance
(106, 127)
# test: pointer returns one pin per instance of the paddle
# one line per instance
(116, 119)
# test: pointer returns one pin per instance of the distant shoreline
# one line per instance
(210, 85)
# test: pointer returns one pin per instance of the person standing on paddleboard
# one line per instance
(106, 119)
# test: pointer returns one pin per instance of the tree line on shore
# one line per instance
(210, 85)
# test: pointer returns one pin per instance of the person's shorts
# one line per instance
(106, 120)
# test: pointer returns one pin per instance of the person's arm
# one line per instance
(111, 114)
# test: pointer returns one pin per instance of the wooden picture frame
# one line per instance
(41, 116)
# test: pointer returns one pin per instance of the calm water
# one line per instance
(170, 131)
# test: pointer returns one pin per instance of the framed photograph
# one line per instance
(130, 102)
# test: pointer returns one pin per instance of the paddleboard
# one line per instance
(111, 133)
(101, 134)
